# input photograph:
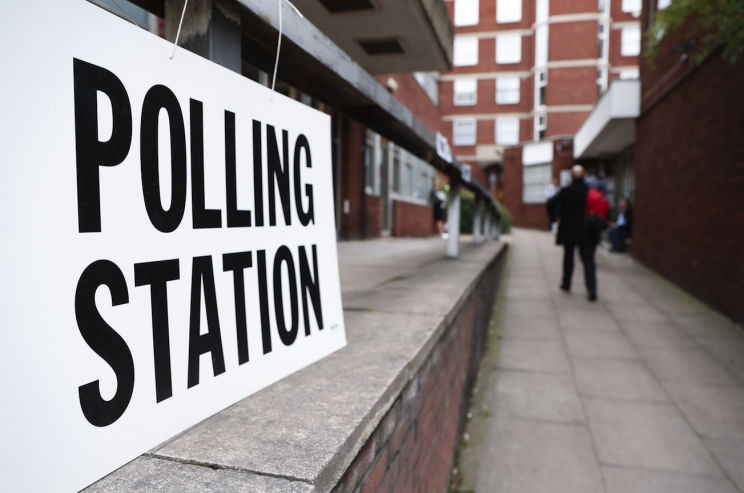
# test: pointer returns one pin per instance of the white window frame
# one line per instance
(535, 194)
(507, 130)
(630, 41)
(506, 93)
(541, 124)
(466, 13)
(467, 92)
(513, 41)
(541, 82)
(541, 46)
(630, 73)
(508, 11)
(542, 11)
(465, 51)
(632, 6)
(464, 140)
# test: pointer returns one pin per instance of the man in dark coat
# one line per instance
(572, 232)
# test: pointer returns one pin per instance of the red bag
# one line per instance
(596, 204)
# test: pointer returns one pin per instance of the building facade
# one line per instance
(527, 71)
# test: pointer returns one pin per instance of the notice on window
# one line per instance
(168, 242)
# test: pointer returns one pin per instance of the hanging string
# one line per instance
(279, 43)
(175, 45)
(123, 12)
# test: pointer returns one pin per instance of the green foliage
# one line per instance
(714, 23)
(506, 219)
(467, 211)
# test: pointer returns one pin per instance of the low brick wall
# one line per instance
(413, 447)
(414, 220)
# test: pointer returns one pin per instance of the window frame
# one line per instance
(460, 40)
(505, 91)
(455, 92)
(505, 18)
(460, 142)
(636, 33)
(505, 59)
(503, 120)
(466, 19)
(536, 188)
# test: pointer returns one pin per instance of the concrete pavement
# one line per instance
(640, 392)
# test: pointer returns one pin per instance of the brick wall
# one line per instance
(690, 180)
(413, 96)
(413, 447)
(411, 219)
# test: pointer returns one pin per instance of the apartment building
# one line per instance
(528, 71)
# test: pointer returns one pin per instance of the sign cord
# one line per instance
(123, 12)
(175, 44)
(279, 43)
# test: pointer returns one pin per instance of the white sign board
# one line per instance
(168, 242)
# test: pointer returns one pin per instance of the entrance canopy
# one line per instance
(611, 126)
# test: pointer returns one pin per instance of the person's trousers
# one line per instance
(617, 238)
(586, 252)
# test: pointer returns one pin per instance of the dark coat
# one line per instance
(627, 229)
(572, 200)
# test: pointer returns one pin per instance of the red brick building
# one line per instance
(527, 71)
(689, 161)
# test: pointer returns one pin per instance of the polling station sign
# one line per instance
(168, 242)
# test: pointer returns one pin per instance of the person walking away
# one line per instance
(438, 199)
(572, 232)
(622, 228)
(552, 189)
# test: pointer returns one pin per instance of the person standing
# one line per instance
(438, 200)
(622, 228)
(572, 232)
(552, 189)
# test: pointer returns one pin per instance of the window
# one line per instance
(396, 169)
(541, 83)
(466, 12)
(508, 11)
(629, 73)
(662, 4)
(466, 92)
(429, 81)
(602, 34)
(632, 6)
(601, 80)
(507, 90)
(507, 131)
(541, 123)
(535, 178)
(463, 132)
(509, 48)
(466, 51)
(412, 176)
(372, 162)
(630, 41)
(602, 7)
(541, 46)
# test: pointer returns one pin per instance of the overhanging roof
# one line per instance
(389, 35)
(611, 125)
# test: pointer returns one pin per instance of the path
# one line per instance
(641, 392)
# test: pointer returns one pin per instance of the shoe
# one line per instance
(564, 288)
(592, 296)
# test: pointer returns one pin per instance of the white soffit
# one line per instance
(538, 153)
(610, 127)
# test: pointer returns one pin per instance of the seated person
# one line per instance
(622, 228)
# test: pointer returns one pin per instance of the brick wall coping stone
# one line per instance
(302, 433)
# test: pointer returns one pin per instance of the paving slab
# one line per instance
(713, 410)
(533, 457)
(537, 396)
(629, 480)
(691, 365)
(730, 454)
(617, 379)
(649, 436)
(533, 355)
(653, 334)
(530, 328)
(599, 344)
